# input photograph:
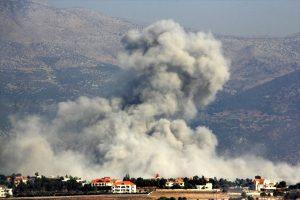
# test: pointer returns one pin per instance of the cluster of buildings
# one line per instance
(259, 185)
(17, 179)
(180, 183)
(171, 182)
(116, 186)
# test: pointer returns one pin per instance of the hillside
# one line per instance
(255, 61)
(48, 55)
(264, 119)
(81, 31)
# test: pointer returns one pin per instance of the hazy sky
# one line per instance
(237, 17)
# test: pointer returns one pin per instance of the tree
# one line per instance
(3, 180)
(162, 183)
(126, 177)
(196, 178)
(263, 194)
(250, 198)
(244, 195)
(281, 184)
(175, 186)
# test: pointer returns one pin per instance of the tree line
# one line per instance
(45, 186)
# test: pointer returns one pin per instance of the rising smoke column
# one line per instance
(178, 73)
(183, 70)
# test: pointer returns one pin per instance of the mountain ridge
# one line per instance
(48, 55)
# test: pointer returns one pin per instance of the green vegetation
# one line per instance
(45, 186)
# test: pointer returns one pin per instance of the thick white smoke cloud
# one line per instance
(178, 73)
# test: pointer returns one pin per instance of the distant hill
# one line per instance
(81, 31)
(255, 61)
(265, 117)
(49, 55)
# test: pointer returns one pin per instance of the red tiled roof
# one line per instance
(179, 180)
(102, 180)
(259, 181)
(123, 183)
(20, 178)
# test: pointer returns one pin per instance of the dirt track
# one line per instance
(152, 196)
(93, 197)
(192, 195)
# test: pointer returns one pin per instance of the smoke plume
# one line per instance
(178, 73)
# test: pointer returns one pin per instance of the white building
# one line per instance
(123, 187)
(81, 181)
(66, 179)
(5, 192)
(262, 184)
(206, 187)
(169, 184)
(172, 182)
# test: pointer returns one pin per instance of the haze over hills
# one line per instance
(49, 55)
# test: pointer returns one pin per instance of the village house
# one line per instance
(66, 179)
(81, 181)
(169, 183)
(5, 192)
(20, 179)
(264, 185)
(206, 187)
(102, 182)
(123, 187)
(172, 182)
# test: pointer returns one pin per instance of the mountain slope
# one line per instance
(264, 119)
(255, 61)
(82, 31)
(48, 55)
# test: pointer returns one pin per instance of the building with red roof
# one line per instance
(102, 182)
(262, 184)
(20, 179)
(123, 187)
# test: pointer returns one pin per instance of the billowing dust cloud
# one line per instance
(178, 73)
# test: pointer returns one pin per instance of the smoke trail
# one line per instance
(178, 72)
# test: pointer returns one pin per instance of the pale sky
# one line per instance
(231, 17)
